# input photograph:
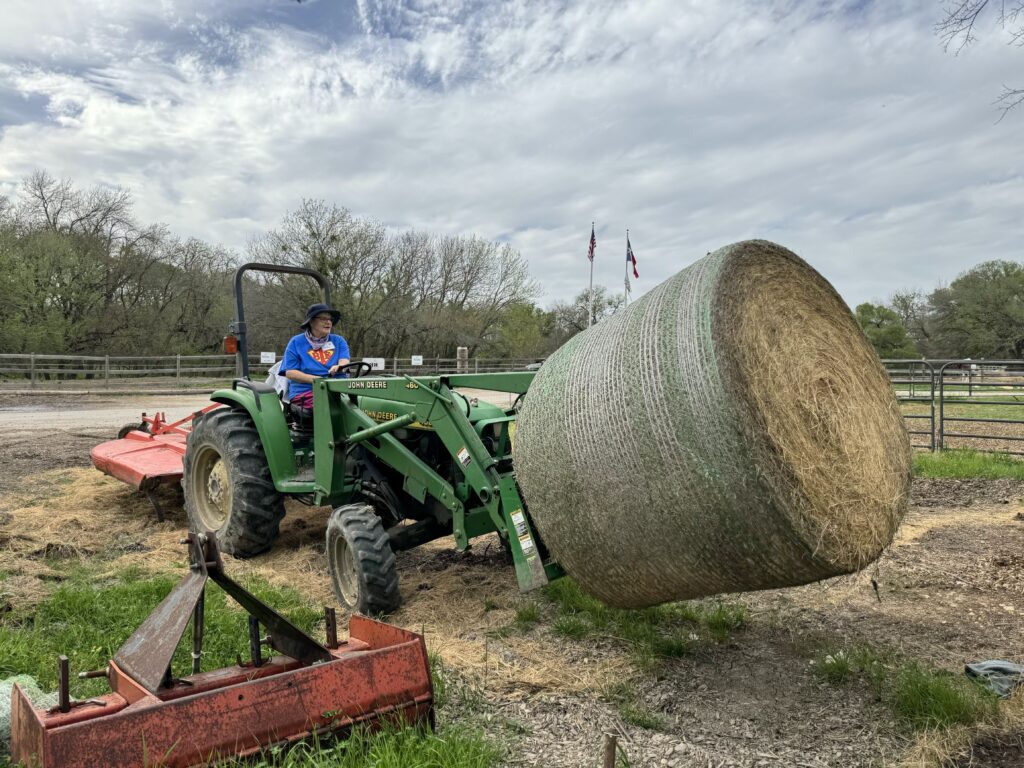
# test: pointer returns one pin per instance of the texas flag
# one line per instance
(630, 258)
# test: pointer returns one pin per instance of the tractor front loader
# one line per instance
(402, 461)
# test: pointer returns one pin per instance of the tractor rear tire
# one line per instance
(227, 483)
(134, 426)
(359, 558)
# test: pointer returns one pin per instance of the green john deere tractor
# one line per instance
(401, 460)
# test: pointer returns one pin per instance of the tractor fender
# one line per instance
(264, 408)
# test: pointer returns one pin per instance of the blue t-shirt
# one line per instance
(300, 356)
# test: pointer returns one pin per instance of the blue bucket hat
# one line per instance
(319, 309)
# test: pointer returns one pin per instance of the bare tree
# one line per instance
(572, 317)
(958, 29)
(911, 306)
(397, 292)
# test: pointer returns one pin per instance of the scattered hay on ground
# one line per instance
(74, 514)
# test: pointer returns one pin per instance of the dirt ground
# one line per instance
(951, 591)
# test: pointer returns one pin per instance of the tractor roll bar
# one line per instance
(238, 326)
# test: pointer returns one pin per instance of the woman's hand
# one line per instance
(333, 370)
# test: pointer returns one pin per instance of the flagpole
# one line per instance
(590, 318)
(625, 302)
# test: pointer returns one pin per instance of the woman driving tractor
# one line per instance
(313, 354)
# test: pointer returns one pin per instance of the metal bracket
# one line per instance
(146, 655)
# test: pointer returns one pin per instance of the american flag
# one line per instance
(630, 258)
(593, 244)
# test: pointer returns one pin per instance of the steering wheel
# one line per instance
(355, 369)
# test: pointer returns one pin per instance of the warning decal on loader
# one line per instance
(464, 457)
(526, 544)
(525, 540)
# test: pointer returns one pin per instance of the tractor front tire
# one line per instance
(227, 483)
(359, 558)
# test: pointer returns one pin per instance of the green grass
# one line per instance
(960, 463)
(919, 696)
(927, 698)
(652, 634)
(969, 408)
(641, 716)
(631, 708)
(572, 626)
(527, 615)
(835, 667)
(724, 619)
(88, 621)
(391, 747)
(978, 408)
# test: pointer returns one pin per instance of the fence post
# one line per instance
(476, 365)
(394, 365)
(106, 370)
(942, 407)
(177, 369)
(32, 369)
(611, 747)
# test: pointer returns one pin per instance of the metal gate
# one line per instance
(914, 382)
(973, 404)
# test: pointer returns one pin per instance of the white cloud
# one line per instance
(840, 130)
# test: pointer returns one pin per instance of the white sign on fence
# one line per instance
(268, 357)
(417, 359)
(376, 362)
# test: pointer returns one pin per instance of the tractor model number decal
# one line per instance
(464, 457)
(367, 385)
(383, 416)
(412, 385)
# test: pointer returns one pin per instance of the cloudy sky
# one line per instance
(839, 129)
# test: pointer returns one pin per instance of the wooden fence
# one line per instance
(36, 371)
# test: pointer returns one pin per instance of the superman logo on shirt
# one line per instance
(322, 356)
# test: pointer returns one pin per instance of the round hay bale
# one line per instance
(732, 430)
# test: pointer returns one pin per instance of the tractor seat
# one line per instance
(299, 419)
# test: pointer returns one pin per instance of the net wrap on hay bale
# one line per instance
(732, 430)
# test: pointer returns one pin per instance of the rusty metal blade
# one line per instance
(284, 636)
(147, 653)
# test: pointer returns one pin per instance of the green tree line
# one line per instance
(81, 275)
(978, 315)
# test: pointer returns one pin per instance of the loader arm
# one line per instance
(485, 500)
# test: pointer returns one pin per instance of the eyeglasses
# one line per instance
(324, 319)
